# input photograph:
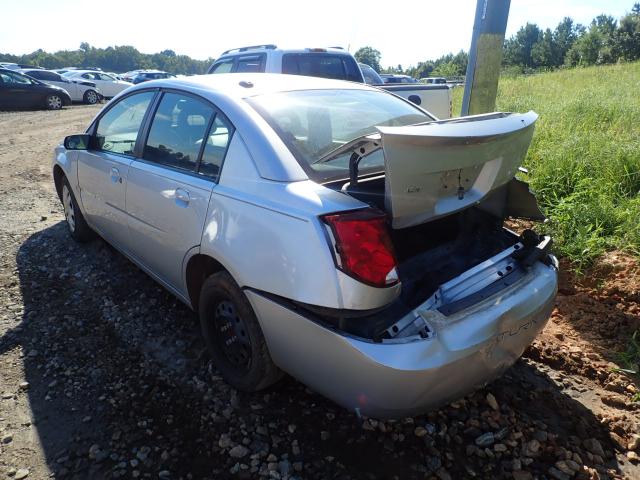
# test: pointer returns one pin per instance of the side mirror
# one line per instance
(77, 142)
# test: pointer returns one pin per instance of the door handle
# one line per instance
(115, 175)
(182, 196)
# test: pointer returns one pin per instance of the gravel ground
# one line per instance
(103, 374)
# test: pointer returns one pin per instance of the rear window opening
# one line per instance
(314, 123)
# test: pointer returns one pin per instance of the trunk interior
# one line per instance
(428, 255)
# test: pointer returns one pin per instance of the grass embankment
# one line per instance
(584, 160)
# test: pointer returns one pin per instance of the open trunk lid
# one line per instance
(435, 169)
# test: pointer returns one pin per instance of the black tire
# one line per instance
(78, 227)
(91, 97)
(243, 358)
(53, 102)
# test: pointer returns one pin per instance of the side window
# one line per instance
(118, 129)
(253, 63)
(223, 67)
(53, 77)
(216, 147)
(177, 131)
(105, 77)
(88, 76)
(17, 79)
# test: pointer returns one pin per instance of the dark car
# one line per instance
(392, 78)
(18, 91)
(151, 75)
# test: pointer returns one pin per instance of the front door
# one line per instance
(18, 90)
(167, 199)
(103, 170)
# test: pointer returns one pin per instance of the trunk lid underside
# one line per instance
(435, 169)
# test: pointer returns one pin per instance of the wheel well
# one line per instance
(58, 176)
(199, 268)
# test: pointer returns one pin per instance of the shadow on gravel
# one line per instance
(120, 386)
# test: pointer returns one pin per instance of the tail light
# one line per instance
(363, 247)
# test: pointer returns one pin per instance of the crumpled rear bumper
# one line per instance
(467, 350)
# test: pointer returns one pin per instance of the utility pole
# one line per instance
(485, 57)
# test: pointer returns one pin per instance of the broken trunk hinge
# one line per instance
(354, 160)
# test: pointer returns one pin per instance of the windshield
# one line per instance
(313, 123)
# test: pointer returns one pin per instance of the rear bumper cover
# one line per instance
(468, 349)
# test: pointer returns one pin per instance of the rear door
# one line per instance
(102, 170)
(169, 188)
(108, 85)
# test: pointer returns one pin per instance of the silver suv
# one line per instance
(333, 62)
(321, 228)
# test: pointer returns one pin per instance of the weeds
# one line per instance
(630, 358)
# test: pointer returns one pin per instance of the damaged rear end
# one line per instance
(469, 294)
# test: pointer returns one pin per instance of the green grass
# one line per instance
(584, 160)
(630, 358)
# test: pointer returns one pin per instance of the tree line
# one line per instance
(605, 40)
(111, 59)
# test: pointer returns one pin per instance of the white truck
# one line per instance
(332, 62)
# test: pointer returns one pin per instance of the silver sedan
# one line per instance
(325, 229)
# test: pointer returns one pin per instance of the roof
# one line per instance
(244, 85)
(275, 48)
(228, 90)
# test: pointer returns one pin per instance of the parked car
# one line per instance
(434, 80)
(115, 75)
(9, 66)
(333, 62)
(371, 77)
(93, 69)
(323, 228)
(146, 75)
(18, 91)
(79, 90)
(128, 76)
(108, 85)
(395, 78)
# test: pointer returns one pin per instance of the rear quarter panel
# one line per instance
(269, 237)
(267, 233)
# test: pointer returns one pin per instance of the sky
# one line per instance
(405, 32)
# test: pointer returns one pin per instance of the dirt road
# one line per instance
(103, 374)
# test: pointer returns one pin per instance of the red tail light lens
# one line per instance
(363, 246)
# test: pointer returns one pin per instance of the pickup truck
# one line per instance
(334, 63)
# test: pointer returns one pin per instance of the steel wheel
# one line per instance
(232, 335)
(54, 102)
(69, 211)
(91, 97)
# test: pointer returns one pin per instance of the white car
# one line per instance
(79, 91)
(109, 85)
